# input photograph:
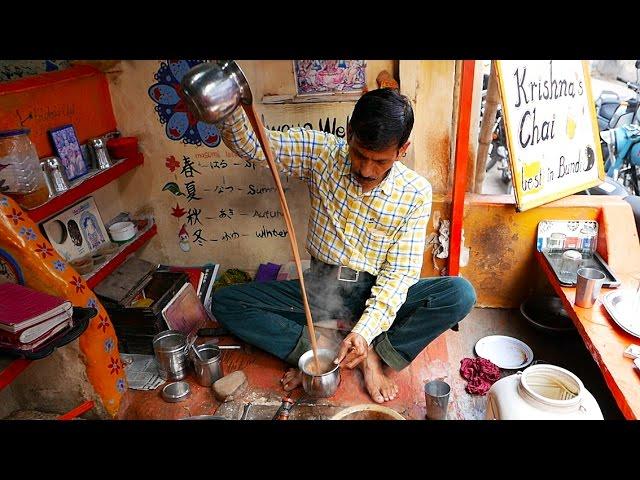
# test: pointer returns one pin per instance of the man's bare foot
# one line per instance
(291, 379)
(380, 387)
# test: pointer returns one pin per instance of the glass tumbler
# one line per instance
(570, 262)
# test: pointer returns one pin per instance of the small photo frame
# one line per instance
(67, 148)
(325, 77)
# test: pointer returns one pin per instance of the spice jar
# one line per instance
(98, 153)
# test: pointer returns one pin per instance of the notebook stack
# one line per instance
(29, 318)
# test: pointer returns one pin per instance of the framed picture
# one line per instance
(67, 148)
(316, 77)
(77, 231)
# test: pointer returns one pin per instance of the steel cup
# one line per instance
(588, 286)
(436, 393)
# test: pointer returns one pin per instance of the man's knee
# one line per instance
(222, 301)
(465, 295)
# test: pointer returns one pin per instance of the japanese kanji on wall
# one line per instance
(209, 204)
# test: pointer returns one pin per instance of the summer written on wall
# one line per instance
(551, 129)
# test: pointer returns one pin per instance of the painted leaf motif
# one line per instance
(172, 163)
(178, 211)
(173, 188)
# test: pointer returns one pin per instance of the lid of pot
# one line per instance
(506, 352)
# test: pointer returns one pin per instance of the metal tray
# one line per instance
(619, 305)
(593, 262)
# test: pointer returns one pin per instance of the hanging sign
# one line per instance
(552, 131)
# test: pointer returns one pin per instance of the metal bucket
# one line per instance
(170, 349)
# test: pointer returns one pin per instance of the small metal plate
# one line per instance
(176, 392)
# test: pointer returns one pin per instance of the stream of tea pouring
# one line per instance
(258, 128)
(213, 91)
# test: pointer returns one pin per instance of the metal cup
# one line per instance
(207, 367)
(436, 394)
(214, 90)
(54, 175)
(588, 286)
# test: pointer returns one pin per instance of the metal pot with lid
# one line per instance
(170, 348)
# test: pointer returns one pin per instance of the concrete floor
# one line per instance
(440, 360)
(567, 351)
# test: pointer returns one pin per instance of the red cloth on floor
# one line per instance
(480, 374)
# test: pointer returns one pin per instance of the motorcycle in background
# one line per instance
(623, 156)
(499, 149)
(612, 111)
(498, 152)
(615, 188)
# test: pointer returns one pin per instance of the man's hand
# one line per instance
(353, 350)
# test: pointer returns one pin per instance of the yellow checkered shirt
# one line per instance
(381, 231)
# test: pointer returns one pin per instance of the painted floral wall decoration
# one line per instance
(180, 124)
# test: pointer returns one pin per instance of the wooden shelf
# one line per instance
(604, 340)
(121, 256)
(326, 98)
(83, 188)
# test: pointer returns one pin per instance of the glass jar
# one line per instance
(556, 242)
(21, 176)
(589, 241)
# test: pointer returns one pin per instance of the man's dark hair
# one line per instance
(382, 118)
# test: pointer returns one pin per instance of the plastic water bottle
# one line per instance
(21, 176)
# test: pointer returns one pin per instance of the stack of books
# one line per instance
(29, 318)
(201, 277)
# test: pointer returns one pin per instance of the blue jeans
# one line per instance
(270, 315)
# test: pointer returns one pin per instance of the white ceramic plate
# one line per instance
(619, 305)
(506, 352)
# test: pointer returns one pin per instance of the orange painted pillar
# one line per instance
(460, 170)
(27, 257)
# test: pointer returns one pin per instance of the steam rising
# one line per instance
(331, 303)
